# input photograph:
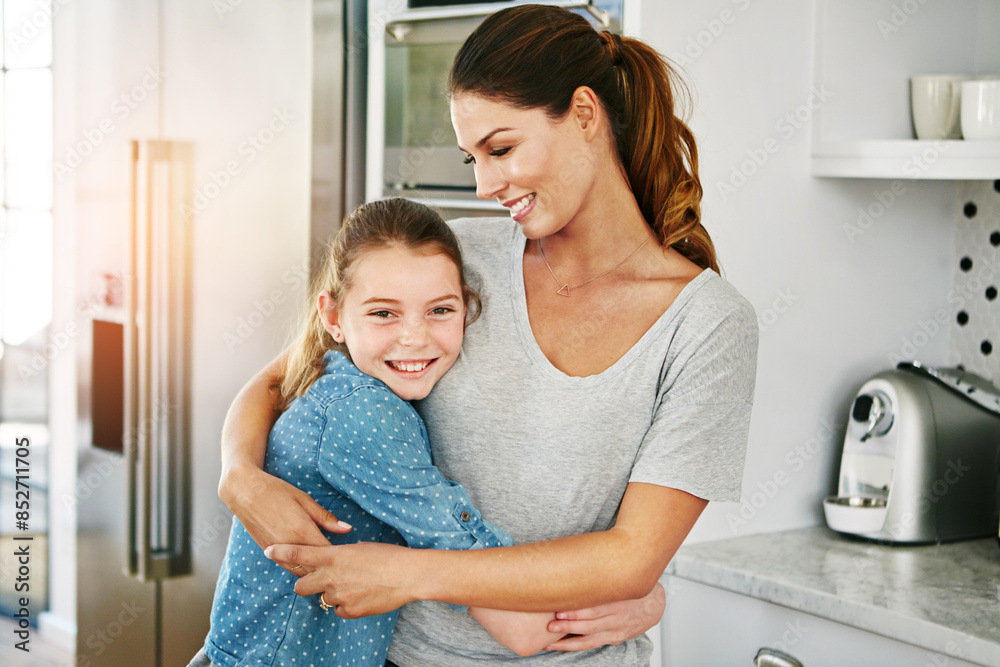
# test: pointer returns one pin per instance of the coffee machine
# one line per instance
(921, 459)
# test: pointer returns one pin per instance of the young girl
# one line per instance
(391, 307)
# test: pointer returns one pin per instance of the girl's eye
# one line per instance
(468, 159)
(443, 310)
(382, 314)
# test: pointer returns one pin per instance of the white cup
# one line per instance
(981, 110)
(935, 100)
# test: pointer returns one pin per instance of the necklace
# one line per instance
(564, 290)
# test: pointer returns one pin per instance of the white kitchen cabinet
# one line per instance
(827, 599)
(865, 53)
(704, 625)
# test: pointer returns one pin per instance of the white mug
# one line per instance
(935, 100)
(981, 110)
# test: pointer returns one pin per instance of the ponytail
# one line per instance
(536, 56)
(658, 149)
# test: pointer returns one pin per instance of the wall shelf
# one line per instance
(865, 53)
(907, 158)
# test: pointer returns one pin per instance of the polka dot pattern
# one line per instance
(362, 453)
(975, 309)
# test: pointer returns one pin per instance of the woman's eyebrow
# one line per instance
(479, 144)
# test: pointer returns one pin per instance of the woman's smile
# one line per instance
(519, 208)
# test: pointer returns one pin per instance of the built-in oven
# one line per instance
(411, 149)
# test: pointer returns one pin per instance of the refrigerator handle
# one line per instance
(130, 335)
(157, 362)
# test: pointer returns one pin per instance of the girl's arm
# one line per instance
(624, 562)
(608, 624)
(271, 510)
(524, 633)
(580, 630)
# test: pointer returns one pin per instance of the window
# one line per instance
(26, 186)
(26, 251)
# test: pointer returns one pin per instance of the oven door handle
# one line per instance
(397, 26)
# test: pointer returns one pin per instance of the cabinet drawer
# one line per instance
(704, 625)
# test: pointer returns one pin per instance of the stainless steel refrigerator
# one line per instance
(185, 235)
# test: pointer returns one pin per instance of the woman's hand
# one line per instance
(360, 579)
(606, 624)
(274, 511)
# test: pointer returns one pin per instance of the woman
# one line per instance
(604, 396)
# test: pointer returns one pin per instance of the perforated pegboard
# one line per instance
(973, 300)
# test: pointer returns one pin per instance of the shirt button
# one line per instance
(465, 516)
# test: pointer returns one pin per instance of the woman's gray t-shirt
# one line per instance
(545, 455)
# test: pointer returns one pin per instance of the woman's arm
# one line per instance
(271, 510)
(575, 572)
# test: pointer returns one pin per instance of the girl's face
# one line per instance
(542, 170)
(402, 318)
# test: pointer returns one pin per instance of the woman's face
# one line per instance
(402, 318)
(540, 169)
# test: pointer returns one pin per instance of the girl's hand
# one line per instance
(274, 511)
(606, 624)
(360, 579)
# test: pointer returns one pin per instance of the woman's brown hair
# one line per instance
(536, 56)
(380, 224)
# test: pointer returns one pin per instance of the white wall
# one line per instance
(834, 309)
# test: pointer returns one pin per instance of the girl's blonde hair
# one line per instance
(379, 224)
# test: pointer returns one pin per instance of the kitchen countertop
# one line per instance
(944, 597)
